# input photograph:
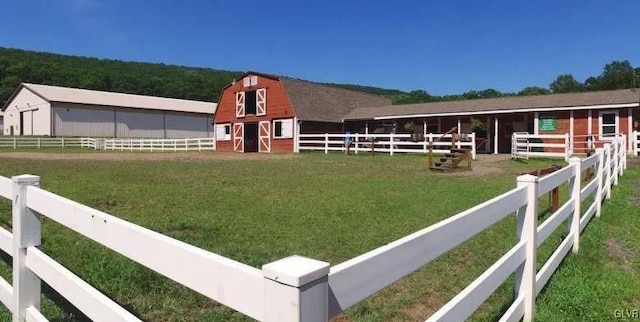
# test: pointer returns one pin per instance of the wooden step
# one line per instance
(459, 150)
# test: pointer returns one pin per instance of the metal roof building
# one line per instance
(44, 110)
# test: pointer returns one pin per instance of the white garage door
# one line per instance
(139, 124)
(187, 125)
(71, 121)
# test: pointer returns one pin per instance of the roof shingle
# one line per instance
(484, 106)
(325, 103)
(91, 97)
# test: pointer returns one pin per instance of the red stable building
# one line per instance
(597, 114)
(265, 113)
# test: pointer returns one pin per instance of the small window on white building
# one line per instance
(609, 124)
(223, 132)
(283, 129)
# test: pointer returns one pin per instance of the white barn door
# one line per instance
(261, 102)
(238, 140)
(264, 136)
(239, 104)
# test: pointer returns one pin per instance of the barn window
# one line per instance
(223, 132)
(283, 129)
(250, 103)
(608, 124)
(250, 81)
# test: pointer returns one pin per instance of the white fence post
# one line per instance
(599, 177)
(26, 233)
(391, 143)
(574, 221)
(38, 143)
(63, 143)
(567, 147)
(527, 229)
(357, 139)
(616, 161)
(326, 143)
(607, 169)
(473, 145)
(15, 143)
(296, 289)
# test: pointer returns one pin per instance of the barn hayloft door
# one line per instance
(239, 104)
(261, 102)
(238, 140)
(264, 136)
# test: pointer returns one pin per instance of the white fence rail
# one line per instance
(387, 143)
(152, 145)
(159, 145)
(297, 288)
(41, 142)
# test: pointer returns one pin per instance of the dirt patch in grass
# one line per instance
(618, 250)
(424, 308)
(146, 156)
(484, 165)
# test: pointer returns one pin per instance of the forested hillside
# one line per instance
(205, 84)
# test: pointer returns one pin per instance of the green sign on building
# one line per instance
(548, 123)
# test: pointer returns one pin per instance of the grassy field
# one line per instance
(329, 207)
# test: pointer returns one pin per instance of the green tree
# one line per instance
(415, 96)
(533, 90)
(617, 75)
(566, 84)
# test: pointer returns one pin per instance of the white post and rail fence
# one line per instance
(526, 145)
(298, 288)
(385, 143)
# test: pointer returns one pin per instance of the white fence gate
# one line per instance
(526, 145)
(297, 288)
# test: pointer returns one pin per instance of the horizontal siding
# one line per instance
(141, 124)
(188, 125)
(73, 121)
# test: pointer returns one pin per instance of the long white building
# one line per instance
(43, 110)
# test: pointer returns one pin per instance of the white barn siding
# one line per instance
(139, 124)
(187, 125)
(83, 121)
(36, 113)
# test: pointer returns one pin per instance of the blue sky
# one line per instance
(444, 47)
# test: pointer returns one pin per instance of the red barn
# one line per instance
(265, 113)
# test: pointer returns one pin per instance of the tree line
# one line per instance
(615, 75)
(205, 84)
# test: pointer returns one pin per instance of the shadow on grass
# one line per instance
(71, 312)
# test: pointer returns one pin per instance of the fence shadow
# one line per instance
(71, 312)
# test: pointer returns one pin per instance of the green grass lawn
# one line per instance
(329, 207)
